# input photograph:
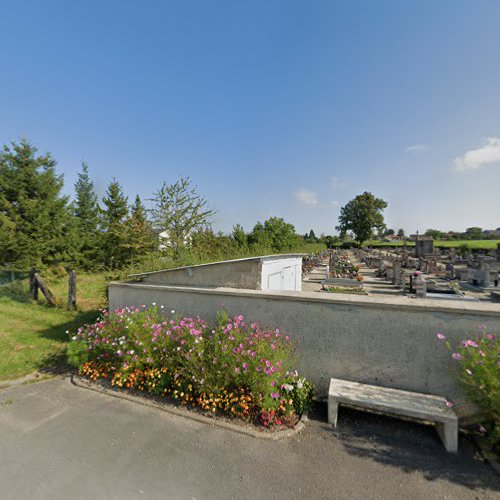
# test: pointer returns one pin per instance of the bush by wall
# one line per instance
(477, 367)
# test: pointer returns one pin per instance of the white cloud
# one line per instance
(306, 197)
(417, 148)
(474, 159)
(338, 184)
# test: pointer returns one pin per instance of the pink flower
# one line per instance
(482, 430)
(275, 395)
(457, 356)
(472, 343)
(440, 336)
(449, 404)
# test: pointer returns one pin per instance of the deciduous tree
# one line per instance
(180, 210)
(362, 215)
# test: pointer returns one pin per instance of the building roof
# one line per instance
(260, 258)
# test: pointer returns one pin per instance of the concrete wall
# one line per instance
(236, 274)
(385, 341)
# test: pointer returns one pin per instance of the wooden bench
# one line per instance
(395, 402)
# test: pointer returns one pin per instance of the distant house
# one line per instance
(392, 237)
(165, 241)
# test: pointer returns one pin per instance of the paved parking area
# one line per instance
(58, 441)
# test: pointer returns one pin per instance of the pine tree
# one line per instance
(140, 236)
(113, 219)
(240, 237)
(34, 217)
(87, 215)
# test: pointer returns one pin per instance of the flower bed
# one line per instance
(477, 367)
(344, 289)
(232, 368)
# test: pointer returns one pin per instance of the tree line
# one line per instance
(40, 226)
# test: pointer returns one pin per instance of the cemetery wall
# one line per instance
(237, 274)
(386, 341)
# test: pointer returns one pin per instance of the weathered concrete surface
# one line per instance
(235, 274)
(373, 340)
(59, 442)
(388, 401)
(253, 273)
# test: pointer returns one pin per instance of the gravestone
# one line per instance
(424, 246)
(396, 273)
(421, 287)
(479, 277)
(450, 270)
(402, 280)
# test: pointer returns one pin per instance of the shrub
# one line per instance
(478, 370)
(232, 367)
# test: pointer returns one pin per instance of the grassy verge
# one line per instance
(33, 335)
(311, 248)
(472, 244)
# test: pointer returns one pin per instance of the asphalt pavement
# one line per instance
(58, 441)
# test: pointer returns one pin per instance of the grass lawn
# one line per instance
(472, 244)
(32, 335)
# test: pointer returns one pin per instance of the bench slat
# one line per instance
(394, 401)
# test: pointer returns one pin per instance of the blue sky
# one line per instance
(285, 108)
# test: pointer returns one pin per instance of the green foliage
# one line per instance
(310, 237)
(239, 236)
(198, 359)
(140, 237)
(206, 246)
(302, 393)
(478, 370)
(362, 215)
(34, 217)
(113, 221)
(435, 233)
(179, 211)
(275, 234)
(87, 213)
(473, 233)
(77, 353)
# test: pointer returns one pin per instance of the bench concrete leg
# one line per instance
(333, 411)
(448, 433)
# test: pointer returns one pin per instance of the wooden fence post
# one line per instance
(46, 292)
(72, 290)
(33, 284)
